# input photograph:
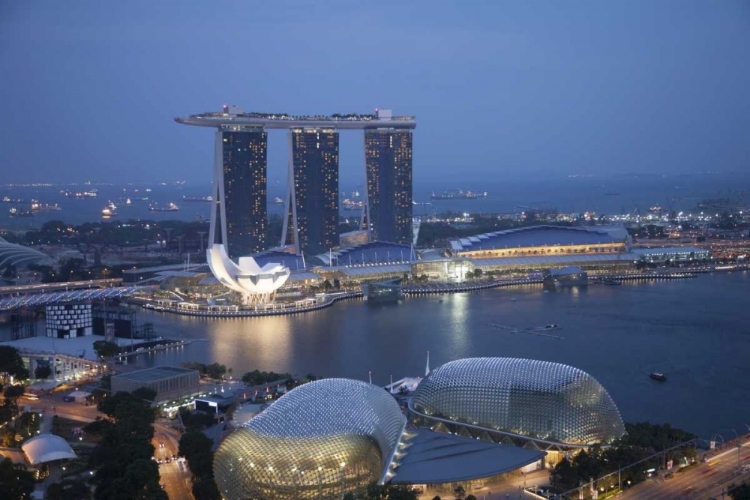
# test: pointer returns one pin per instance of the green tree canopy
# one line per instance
(15, 484)
(11, 364)
(106, 349)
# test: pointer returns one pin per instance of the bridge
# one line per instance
(41, 299)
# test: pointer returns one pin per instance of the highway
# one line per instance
(704, 481)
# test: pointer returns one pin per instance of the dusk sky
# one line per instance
(90, 88)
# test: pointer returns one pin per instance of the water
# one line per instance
(692, 330)
(604, 194)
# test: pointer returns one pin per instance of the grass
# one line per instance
(64, 428)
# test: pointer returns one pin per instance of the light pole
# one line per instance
(739, 447)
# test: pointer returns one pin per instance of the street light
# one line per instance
(739, 447)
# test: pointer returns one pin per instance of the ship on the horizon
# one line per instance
(278, 201)
(93, 193)
(458, 194)
(37, 206)
(198, 198)
(352, 205)
(169, 207)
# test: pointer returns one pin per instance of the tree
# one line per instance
(460, 492)
(15, 484)
(42, 372)
(204, 488)
(106, 349)
(12, 393)
(11, 364)
(196, 448)
(471, 497)
(741, 492)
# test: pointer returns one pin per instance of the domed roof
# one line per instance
(322, 438)
(530, 398)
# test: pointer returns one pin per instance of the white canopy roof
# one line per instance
(47, 448)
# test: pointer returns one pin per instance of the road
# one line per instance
(175, 476)
(701, 482)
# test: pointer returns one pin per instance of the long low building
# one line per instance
(169, 382)
(543, 240)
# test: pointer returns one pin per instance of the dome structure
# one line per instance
(319, 441)
(256, 284)
(47, 448)
(538, 400)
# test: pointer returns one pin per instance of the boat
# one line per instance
(658, 376)
(37, 207)
(278, 201)
(108, 212)
(198, 198)
(655, 209)
(457, 194)
(352, 204)
(169, 207)
(611, 282)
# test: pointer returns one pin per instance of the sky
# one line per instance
(534, 88)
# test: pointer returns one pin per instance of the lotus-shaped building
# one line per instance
(256, 284)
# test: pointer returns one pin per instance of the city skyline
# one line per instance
(522, 89)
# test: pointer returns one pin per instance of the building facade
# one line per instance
(312, 204)
(388, 165)
(169, 382)
(241, 190)
(319, 441)
(518, 401)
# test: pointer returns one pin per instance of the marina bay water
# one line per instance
(693, 330)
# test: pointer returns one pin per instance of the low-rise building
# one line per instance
(170, 383)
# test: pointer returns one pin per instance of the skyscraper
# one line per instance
(240, 189)
(388, 165)
(238, 217)
(312, 204)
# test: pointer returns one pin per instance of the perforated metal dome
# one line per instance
(320, 440)
(530, 398)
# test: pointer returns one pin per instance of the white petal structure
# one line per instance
(256, 284)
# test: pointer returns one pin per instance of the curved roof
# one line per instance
(534, 399)
(47, 448)
(331, 407)
(320, 440)
(376, 252)
(13, 254)
(535, 236)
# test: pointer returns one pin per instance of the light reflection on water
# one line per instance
(695, 331)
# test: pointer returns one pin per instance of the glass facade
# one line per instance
(245, 190)
(315, 158)
(319, 441)
(388, 162)
(530, 398)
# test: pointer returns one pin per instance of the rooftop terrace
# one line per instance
(235, 115)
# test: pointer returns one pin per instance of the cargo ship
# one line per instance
(169, 207)
(198, 198)
(458, 194)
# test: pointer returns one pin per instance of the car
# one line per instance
(168, 460)
(161, 445)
